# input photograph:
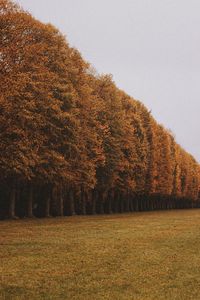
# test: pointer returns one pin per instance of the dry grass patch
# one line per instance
(151, 255)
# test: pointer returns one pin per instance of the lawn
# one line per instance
(149, 255)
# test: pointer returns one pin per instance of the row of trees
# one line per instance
(71, 142)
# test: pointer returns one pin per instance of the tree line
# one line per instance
(71, 142)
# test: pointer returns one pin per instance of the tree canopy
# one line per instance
(70, 140)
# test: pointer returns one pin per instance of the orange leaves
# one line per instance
(62, 123)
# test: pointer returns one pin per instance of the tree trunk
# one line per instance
(61, 205)
(30, 202)
(83, 210)
(71, 203)
(116, 203)
(59, 201)
(126, 208)
(47, 207)
(101, 203)
(131, 203)
(152, 203)
(144, 200)
(148, 206)
(140, 203)
(93, 208)
(11, 212)
(101, 210)
(121, 201)
(110, 200)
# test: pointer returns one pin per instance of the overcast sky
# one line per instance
(151, 47)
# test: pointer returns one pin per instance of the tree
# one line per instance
(70, 140)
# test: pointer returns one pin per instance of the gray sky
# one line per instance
(151, 47)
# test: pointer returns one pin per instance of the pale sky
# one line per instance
(152, 48)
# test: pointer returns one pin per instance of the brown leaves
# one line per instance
(61, 122)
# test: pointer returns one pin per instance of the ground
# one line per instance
(150, 255)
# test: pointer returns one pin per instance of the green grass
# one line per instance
(153, 255)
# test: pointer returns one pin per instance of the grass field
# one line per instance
(152, 255)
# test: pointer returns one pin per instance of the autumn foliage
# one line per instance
(71, 142)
